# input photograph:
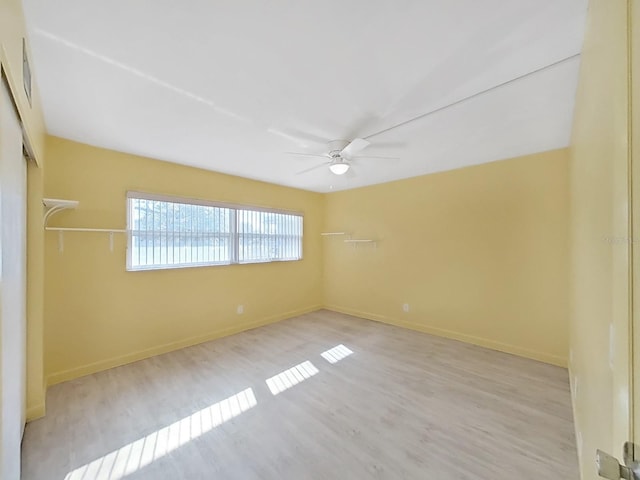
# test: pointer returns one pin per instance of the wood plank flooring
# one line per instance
(266, 404)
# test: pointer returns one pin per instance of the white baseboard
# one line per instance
(463, 337)
(70, 374)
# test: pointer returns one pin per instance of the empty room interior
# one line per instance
(319, 240)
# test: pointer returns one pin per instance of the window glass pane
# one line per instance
(166, 234)
(268, 236)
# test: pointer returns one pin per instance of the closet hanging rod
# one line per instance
(72, 229)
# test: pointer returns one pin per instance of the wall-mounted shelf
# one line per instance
(361, 241)
(352, 241)
(73, 229)
(55, 205)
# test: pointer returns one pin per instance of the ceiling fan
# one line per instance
(340, 155)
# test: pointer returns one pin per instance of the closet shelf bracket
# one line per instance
(55, 205)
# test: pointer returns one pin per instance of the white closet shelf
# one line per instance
(328, 234)
(354, 242)
(55, 205)
(57, 202)
(74, 229)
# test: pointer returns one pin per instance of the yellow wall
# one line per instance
(36, 382)
(599, 237)
(99, 315)
(479, 254)
(12, 31)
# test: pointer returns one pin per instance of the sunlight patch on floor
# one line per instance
(136, 455)
(294, 375)
(337, 353)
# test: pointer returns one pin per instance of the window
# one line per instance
(167, 232)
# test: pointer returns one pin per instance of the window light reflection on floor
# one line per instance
(134, 456)
(289, 378)
(337, 353)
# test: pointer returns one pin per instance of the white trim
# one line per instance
(129, 236)
(13, 288)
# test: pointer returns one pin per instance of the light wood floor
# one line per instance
(403, 405)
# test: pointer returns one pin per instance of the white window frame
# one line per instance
(235, 236)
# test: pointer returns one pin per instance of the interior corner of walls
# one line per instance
(36, 407)
(35, 412)
(36, 402)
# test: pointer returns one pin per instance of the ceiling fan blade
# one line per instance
(313, 168)
(375, 156)
(306, 154)
(354, 147)
(389, 144)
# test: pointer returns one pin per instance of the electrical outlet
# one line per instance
(405, 307)
(240, 309)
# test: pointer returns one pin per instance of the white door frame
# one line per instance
(13, 284)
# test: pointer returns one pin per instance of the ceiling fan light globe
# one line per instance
(339, 168)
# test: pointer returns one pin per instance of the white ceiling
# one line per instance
(232, 85)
